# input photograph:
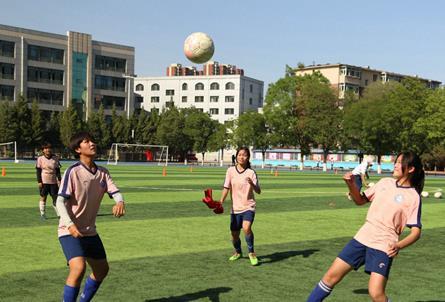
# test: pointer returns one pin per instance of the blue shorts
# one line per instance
(357, 254)
(358, 182)
(236, 220)
(88, 247)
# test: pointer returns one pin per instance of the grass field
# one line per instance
(170, 247)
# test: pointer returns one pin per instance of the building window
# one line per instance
(199, 99)
(45, 54)
(229, 111)
(45, 96)
(230, 86)
(184, 99)
(250, 101)
(229, 99)
(170, 92)
(374, 77)
(6, 92)
(108, 102)
(45, 75)
(154, 99)
(139, 99)
(214, 99)
(214, 86)
(109, 83)
(139, 87)
(6, 71)
(199, 86)
(251, 88)
(155, 87)
(366, 82)
(110, 63)
(7, 49)
(214, 111)
(184, 86)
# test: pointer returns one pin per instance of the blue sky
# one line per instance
(259, 36)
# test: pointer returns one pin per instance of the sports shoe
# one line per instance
(235, 257)
(42, 217)
(253, 259)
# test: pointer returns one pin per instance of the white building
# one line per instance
(224, 97)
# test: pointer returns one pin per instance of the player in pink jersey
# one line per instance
(48, 178)
(80, 194)
(242, 181)
(395, 203)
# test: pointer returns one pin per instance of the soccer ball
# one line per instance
(199, 47)
(425, 194)
(438, 195)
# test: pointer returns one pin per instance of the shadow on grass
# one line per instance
(211, 293)
(360, 291)
(266, 259)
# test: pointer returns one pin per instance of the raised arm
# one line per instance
(353, 190)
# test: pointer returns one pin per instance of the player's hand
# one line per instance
(74, 231)
(249, 180)
(40, 185)
(393, 250)
(119, 209)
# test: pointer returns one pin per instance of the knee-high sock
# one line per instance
(320, 292)
(70, 293)
(90, 289)
(237, 245)
(249, 241)
(42, 207)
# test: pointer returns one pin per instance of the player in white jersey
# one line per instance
(80, 194)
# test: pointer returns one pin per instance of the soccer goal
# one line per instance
(9, 151)
(120, 152)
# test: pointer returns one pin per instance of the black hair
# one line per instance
(76, 139)
(412, 160)
(46, 145)
(248, 155)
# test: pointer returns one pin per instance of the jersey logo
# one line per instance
(398, 198)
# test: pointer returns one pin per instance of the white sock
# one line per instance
(42, 207)
(57, 212)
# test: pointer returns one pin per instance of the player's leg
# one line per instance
(376, 287)
(235, 228)
(74, 253)
(248, 218)
(54, 189)
(43, 192)
(97, 260)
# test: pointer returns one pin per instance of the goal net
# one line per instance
(120, 152)
(8, 151)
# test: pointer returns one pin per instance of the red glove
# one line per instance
(219, 209)
(208, 199)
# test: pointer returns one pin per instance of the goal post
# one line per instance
(9, 151)
(121, 152)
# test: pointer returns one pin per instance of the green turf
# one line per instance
(170, 247)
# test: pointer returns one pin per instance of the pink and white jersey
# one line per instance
(392, 208)
(84, 190)
(242, 195)
(48, 166)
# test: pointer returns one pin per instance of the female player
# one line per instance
(242, 181)
(48, 178)
(395, 203)
(81, 191)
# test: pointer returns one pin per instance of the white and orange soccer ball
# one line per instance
(438, 195)
(425, 194)
(199, 47)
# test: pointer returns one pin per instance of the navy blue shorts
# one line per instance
(236, 220)
(357, 254)
(358, 182)
(51, 189)
(88, 247)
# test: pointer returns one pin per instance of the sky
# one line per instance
(402, 36)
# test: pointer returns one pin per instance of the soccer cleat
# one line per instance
(253, 259)
(235, 257)
(42, 217)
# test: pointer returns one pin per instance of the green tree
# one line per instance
(23, 130)
(8, 122)
(120, 127)
(37, 130)
(219, 140)
(99, 129)
(70, 124)
(200, 128)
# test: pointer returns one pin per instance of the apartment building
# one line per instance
(224, 96)
(346, 77)
(62, 70)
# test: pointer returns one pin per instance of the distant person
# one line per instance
(395, 204)
(48, 178)
(241, 181)
(81, 191)
(233, 159)
(359, 173)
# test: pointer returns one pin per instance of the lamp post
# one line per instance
(129, 77)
